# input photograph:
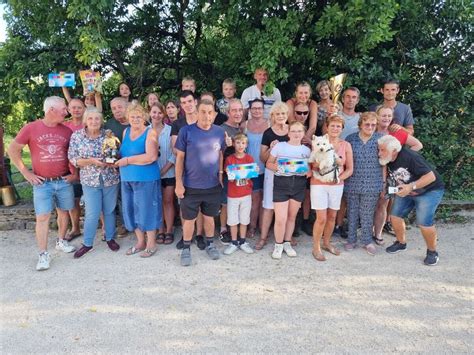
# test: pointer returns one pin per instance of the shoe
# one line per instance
(340, 232)
(307, 227)
(82, 250)
(201, 243)
(121, 231)
(288, 249)
(231, 249)
(396, 247)
(212, 251)
(180, 244)
(370, 249)
(387, 228)
(432, 258)
(277, 251)
(186, 257)
(225, 237)
(43, 261)
(343, 233)
(113, 245)
(64, 246)
(246, 248)
(349, 246)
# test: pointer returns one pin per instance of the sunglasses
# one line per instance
(302, 113)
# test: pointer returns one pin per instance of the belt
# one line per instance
(57, 178)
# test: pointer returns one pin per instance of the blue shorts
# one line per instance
(258, 183)
(425, 206)
(49, 194)
(142, 205)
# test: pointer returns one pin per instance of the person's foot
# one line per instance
(225, 237)
(387, 228)
(246, 248)
(180, 244)
(340, 232)
(186, 257)
(64, 246)
(288, 249)
(432, 258)
(113, 245)
(81, 251)
(318, 255)
(260, 244)
(370, 249)
(43, 261)
(277, 251)
(212, 252)
(307, 227)
(349, 246)
(396, 247)
(231, 249)
(201, 243)
(71, 235)
(121, 231)
(251, 232)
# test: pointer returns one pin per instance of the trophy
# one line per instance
(335, 85)
(110, 147)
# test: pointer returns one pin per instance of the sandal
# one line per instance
(378, 241)
(160, 238)
(251, 233)
(168, 238)
(148, 252)
(318, 256)
(330, 249)
(70, 236)
(260, 244)
(293, 242)
(133, 250)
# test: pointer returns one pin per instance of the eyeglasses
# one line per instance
(257, 108)
(300, 131)
(302, 113)
(370, 124)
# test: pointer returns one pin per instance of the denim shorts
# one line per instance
(49, 194)
(425, 206)
(258, 183)
(287, 188)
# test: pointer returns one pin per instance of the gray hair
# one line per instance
(390, 142)
(89, 111)
(120, 99)
(52, 101)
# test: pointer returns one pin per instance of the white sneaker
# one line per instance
(231, 249)
(64, 246)
(43, 261)
(277, 251)
(288, 249)
(246, 248)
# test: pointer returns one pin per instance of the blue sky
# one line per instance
(3, 25)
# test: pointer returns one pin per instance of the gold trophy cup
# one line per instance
(335, 85)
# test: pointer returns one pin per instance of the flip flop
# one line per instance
(168, 238)
(260, 244)
(378, 241)
(331, 249)
(160, 238)
(133, 250)
(148, 252)
(318, 256)
(71, 236)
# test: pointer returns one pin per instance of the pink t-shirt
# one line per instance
(73, 127)
(48, 147)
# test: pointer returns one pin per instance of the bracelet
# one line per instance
(221, 172)
(127, 161)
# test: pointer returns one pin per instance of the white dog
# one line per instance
(323, 154)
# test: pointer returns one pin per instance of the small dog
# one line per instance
(323, 154)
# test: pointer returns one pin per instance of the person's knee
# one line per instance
(43, 218)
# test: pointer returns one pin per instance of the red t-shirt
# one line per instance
(232, 189)
(48, 147)
(401, 135)
(72, 126)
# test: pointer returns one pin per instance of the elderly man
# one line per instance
(118, 122)
(48, 141)
(419, 187)
(257, 92)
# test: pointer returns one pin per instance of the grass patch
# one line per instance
(25, 192)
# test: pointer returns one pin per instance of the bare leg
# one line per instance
(199, 225)
(398, 225)
(223, 218)
(168, 208)
(281, 216)
(267, 217)
(141, 243)
(341, 213)
(329, 228)
(42, 228)
(151, 240)
(380, 216)
(233, 232)
(306, 204)
(75, 214)
(188, 229)
(292, 211)
(256, 207)
(242, 229)
(318, 228)
(63, 219)
(430, 235)
(209, 227)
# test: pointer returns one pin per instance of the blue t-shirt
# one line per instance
(202, 155)
(402, 114)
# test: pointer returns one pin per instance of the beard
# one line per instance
(384, 161)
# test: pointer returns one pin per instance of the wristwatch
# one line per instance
(413, 187)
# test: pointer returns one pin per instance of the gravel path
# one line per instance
(107, 302)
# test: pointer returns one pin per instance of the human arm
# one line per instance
(313, 121)
(179, 169)
(349, 165)
(414, 143)
(150, 155)
(14, 152)
(265, 151)
(271, 163)
(424, 180)
(98, 101)
(66, 93)
(395, 127)
(291, 110)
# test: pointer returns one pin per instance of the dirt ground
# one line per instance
(107, 302)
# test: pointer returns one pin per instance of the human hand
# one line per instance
(121, 162)
(274, 143)
(32, 178)
(404, 190)
(179, 190)
(228, 140)
(394, 128)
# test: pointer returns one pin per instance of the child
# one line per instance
(228, 90)
(239, 198)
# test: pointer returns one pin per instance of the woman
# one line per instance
(326, 197)
(303, 95)
(254, 129)
(365, 185)
(325, 103)
(288, 187)
(151, 99)
(124, 90)
(172, 110)
(385, 126)
(278, 132)
(166, 161)
(100, 181)
(140, 176)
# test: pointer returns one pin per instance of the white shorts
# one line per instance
(267, 201)
(326, 196)
(238, 210)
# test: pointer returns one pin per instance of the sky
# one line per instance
(3, 25)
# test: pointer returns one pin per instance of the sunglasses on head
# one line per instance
(302, 113)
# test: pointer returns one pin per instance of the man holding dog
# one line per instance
(419, 187)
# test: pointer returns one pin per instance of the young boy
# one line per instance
(228, 90)
(239, 198)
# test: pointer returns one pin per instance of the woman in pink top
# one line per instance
(326, 197)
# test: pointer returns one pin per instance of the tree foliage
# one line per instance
(152, 44)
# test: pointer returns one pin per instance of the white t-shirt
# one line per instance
(288, 151)
(252, 93)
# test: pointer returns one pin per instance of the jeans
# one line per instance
(425, 206)
(51, 193)
(97, 200)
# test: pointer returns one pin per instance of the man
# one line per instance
(199, 164)
(257, 91)
(402, 115)
(419, 187)
(118, 122)
(350, 99)
(220, 117)
(48, 141)
(231, 127)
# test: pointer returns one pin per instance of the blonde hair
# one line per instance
(296, 123)
(136, 107)
(304, 84)
(240, 137)
(335, 118)
(366, 116)
(279, 106)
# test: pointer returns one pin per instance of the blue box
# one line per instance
(58, 80)
(242, 171)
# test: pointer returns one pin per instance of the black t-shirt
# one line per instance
(220, 118)
(409, 167)
(177, 125)
(269, 136)
(116, 127)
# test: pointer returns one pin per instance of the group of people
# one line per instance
(174, 161)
